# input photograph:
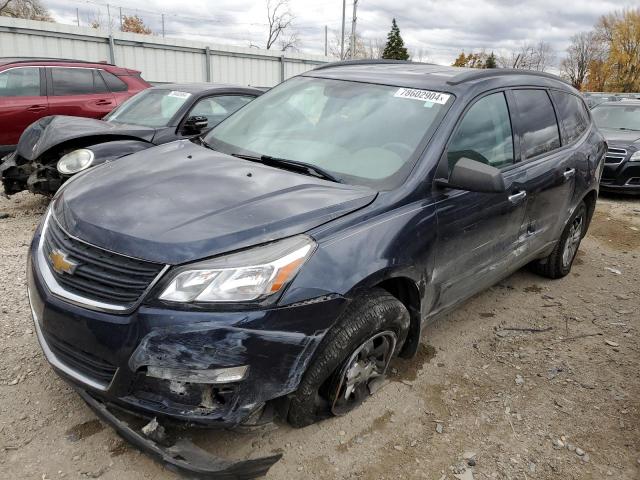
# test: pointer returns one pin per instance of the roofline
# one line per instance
(497, 72)
(46, 59)
(346, 63)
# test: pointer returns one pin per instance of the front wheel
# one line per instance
(558, 264)
(352, 359)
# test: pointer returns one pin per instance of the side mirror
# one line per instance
(195, 125)
(474, 176)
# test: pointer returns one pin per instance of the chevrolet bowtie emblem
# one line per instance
(61, 263)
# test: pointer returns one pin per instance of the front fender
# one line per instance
(109, 151)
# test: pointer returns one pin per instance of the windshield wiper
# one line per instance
(302, 167)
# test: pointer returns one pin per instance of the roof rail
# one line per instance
(47, 59)
(345, 63)
(495, 72)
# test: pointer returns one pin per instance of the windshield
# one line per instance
(149, 108)
(360, 133)
(626, 117)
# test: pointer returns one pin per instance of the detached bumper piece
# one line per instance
(184, 456)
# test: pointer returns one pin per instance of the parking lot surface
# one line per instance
(532, 379)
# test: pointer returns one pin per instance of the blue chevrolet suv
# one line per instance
(279, 262)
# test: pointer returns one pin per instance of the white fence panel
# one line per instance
(159, 59)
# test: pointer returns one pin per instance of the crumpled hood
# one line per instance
(48, 132)
(626, 137)
(181, 202)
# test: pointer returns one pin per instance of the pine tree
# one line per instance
(491, 61)
(395, 49)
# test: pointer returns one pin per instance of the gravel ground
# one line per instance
(559, 403)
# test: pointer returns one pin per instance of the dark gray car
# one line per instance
(54, 148)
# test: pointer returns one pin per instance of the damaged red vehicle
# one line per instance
(273, 267)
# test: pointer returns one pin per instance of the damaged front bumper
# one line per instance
(182, 456)
(208, 368)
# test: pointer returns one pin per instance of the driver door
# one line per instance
(478, 233)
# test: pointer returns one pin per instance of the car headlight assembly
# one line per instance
(76, 161)
(635, 157)
(247, 276)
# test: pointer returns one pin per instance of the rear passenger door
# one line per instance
(549, 167)
(78, 91)
(478, 233)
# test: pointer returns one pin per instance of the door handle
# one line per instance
(103, 102)
(517, 197)
(570, 172)
(36, 108)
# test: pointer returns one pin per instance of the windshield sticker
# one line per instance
(176, 94)
(422, 95)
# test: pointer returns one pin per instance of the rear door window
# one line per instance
(20, 82)
(72, 81)
(573, 115)
(538, 125)
(484, 135)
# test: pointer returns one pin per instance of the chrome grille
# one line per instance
(615, 155)
(98, 274)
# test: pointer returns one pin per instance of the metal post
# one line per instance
(207, 62)
(120, 18)
(281, 68)
(352, 47)
(109, 18)
(112, 50)
(78, 16)
(344, 7)
(163, 25)
(325, 40)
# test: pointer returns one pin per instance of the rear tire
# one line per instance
(558, 264)
(374, 314)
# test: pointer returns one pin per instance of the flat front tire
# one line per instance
(351, 360)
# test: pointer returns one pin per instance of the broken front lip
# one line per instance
(184, 456)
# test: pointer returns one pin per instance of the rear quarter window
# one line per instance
(573, 115)
(538, 124)
(113, 82)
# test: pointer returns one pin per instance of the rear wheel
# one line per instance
(559, 263)
(352, 359)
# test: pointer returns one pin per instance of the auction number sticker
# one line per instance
(176, 94)
(422, 95)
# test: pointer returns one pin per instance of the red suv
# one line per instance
(32, 88)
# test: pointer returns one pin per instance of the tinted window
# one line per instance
(20, 82)
(538, 122)
(484, 135)
(98, 83)
(113, 82)
(218, 108)
(573, 114)
(72, 81)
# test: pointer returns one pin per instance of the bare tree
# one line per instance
(280, 19)
(290, 42)
(585, 48)
(529, 57)
(370, 48)
(419, 55)
(27, 9)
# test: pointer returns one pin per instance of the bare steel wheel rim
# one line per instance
(363, 372)
(573, 241)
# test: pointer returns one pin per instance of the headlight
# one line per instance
(635, 157)
(76, 161)
(250, 275)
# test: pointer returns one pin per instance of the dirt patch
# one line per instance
(407, 370)
(83, 430)
(615, 232)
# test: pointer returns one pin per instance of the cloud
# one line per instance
(442, 28)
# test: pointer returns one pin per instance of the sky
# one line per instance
(433, 30)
